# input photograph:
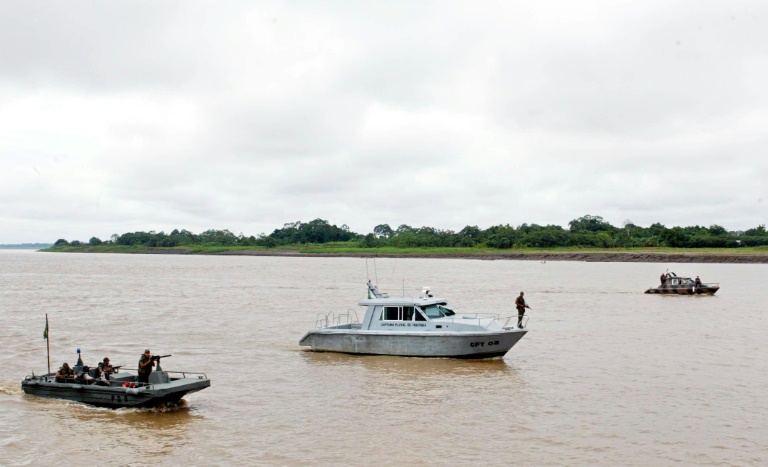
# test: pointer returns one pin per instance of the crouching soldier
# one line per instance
(65, 373)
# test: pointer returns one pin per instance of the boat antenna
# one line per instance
(46, 336)
(375, 271)
(367, 274)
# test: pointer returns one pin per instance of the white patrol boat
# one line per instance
(412, 327)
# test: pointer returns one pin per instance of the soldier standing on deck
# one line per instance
(521, 306)
(145, 366)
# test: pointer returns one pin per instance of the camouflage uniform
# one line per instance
(520, 303)
(105, 370)
(65, 374)
(144, 372)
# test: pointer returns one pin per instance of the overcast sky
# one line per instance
(125, 116)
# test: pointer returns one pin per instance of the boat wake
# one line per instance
(165, 407)
(11, 390)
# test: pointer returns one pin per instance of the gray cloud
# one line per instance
(248, 115)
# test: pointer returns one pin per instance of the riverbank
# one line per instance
(747, 256)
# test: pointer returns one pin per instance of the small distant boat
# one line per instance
(676, 285)
(121, 390)
(421, 326)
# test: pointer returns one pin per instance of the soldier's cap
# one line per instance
(146, 350)
(65, 364)
(105, 359)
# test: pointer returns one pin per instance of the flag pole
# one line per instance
(47, 343)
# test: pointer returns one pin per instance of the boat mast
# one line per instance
(47, 343)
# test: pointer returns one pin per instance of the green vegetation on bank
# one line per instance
(587, 233)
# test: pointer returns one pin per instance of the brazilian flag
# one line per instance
(45, 333)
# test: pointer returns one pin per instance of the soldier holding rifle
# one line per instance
(146, 362)
(105, 368)
(521, 306)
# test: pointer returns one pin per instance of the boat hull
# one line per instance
(473, 345)
(116, 397)
(683, 290)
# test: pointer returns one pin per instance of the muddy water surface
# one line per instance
(606, 375)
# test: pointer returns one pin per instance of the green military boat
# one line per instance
(672, 284)
(120, 390)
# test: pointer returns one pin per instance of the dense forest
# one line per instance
(587, 231)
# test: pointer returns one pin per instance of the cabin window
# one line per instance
(391, 313)
(433, 311)
(674, 281)
(419, 316)
(397, 313)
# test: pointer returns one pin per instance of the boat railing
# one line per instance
(349, 317)
(496, 317)
(324, 320)
(184, 374)
(509, 318)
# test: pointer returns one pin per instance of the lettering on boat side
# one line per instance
(404, 324)
(483, 344)
(118, 399)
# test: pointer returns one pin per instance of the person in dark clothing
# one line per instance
(697, 283)
(663, 279)
(521, 306)
(145, 366)
(105, 368)
(65, 373)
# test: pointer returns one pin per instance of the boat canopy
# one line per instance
(377, 298)
(404, 301)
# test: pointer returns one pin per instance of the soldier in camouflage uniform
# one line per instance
(145, 366)
(65, 373)
(105, 368)
(521, 306)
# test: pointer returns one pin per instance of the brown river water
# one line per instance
(606, 375)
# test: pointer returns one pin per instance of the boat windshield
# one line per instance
(438, 311)
(446, 311)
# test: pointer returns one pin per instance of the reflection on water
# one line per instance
(606, 375)
(409, 367)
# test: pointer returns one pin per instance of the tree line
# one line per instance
(587, 231)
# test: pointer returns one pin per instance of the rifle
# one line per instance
(156, 358)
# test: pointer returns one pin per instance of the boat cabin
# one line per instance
(383, 313)
(424, 313)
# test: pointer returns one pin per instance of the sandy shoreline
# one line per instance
(612, 257)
